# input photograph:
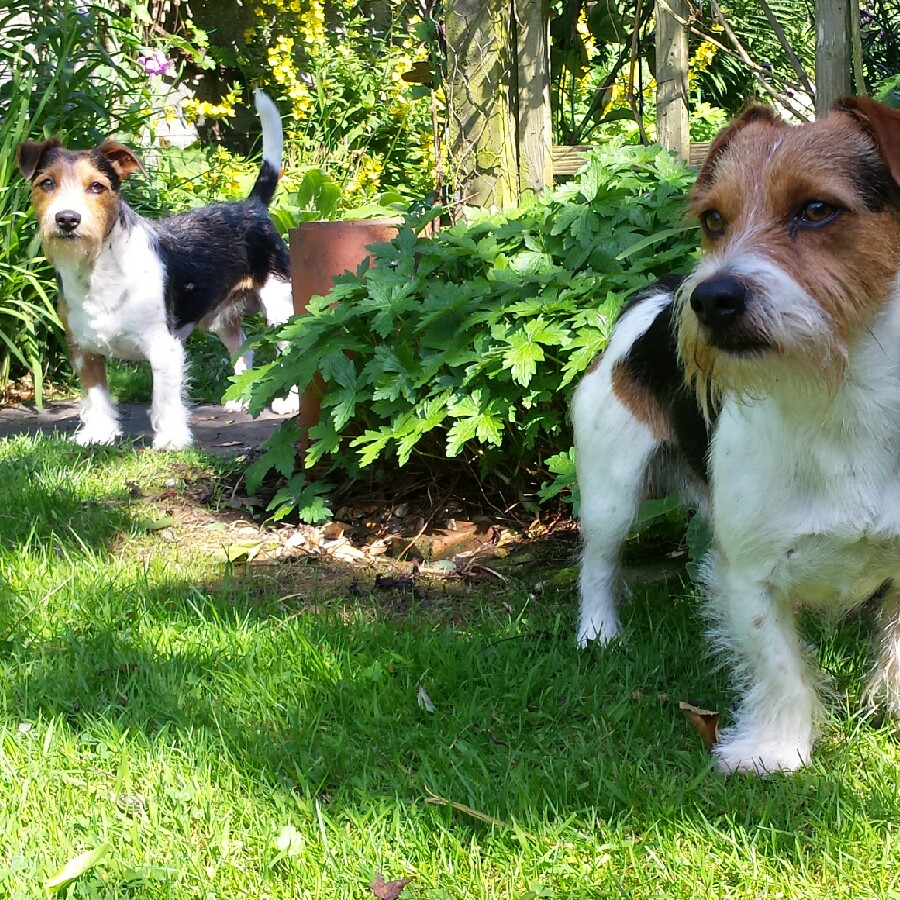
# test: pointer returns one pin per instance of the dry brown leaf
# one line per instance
(388, 890)
(705, 722)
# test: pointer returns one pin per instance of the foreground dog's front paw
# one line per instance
(601, 631)
(287, 406)
(762, 757)
(97, 433)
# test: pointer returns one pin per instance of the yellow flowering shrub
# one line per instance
(339, 82)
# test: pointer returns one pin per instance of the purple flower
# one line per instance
(156, 63)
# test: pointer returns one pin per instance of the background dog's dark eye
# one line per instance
(818, 211)
(95, 187)
(713, 222)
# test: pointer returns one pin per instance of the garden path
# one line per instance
(214, 429)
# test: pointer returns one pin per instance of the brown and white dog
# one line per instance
(135, 289)
(766, 388)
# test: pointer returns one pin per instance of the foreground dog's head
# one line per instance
(801, 233)
(75, 194)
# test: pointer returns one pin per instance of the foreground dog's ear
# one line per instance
(29, 155)
(723, 138)
(881, 122)
(120, 158)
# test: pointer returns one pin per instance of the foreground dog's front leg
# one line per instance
(169, 414)
(780, 709)
(884, 684)
(612, 453)
(99, 422)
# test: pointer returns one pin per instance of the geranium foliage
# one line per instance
(465, 345)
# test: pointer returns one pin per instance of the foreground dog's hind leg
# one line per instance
(633, 418)
(278, 303)
(99, 421)
(780, 709)
(169, 413)
(612, 453)
(884, 684)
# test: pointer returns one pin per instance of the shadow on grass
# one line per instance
(44, 499)
(288, 680)
(324, 697)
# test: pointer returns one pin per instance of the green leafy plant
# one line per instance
(28, 320)
(463, 346)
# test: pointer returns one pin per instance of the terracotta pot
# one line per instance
(320, 251)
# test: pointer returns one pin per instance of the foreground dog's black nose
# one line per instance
(719, 301)
(68, 219)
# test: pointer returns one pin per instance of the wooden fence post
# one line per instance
(535, 143)
(483, 164)
(832, 53)
(672, 125)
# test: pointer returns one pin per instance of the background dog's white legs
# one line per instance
(231, 334)
(612, 453)
(278, 303)
(780, 709)
(99, 420)
(169, 413)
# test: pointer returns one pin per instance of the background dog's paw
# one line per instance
(172, 440)
(234, 406)
(94, 433)
(287, 406)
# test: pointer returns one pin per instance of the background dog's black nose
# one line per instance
(68, 219)
(719, 301)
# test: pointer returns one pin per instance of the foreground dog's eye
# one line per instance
(713, 223)
(817, 212)
(46, 184)
(96, 187)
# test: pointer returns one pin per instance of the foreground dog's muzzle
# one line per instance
(720, 305)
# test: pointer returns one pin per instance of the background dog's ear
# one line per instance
(29, 155)
(723, 138)
(881, 122)
(120, 158)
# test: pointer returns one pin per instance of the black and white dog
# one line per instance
(135, 289)
(766, 389)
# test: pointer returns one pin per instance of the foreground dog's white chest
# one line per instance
(116, 306)
(809, 482)
(814, 514)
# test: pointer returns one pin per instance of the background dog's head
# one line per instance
(75, 194)
(801, 239)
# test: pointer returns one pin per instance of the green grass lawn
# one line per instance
(225, 730)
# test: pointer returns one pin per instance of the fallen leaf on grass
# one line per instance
(705, 722)
(424, 699)
(75, 868)
(388, 890)
(154, 524)
(233, 552)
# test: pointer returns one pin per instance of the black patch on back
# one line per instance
(209, 251)
(653, 363)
